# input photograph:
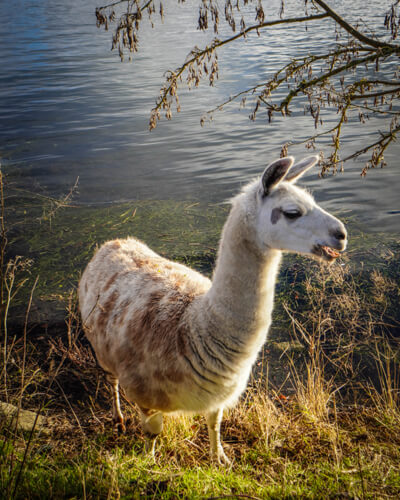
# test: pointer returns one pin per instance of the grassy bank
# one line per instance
(320, 417)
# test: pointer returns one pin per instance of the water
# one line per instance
(70, 108)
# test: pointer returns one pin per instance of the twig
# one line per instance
(376, 94)
(390, 136)
(315, 81)
(355, 33)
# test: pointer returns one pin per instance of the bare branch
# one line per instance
(314, 82)
(378, 147)
(353, 31)
(294, 66)
(376, 94)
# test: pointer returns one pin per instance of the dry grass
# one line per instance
(314, 436)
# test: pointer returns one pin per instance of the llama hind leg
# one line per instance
(152, 424)
(214, 422)
(118, 418)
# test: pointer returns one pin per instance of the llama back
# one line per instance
(135, 264)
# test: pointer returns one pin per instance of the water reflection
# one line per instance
(69, 108)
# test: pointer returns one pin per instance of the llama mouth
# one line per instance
(327, 253)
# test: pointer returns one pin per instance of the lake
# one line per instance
(69, 108)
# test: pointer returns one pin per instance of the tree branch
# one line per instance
(355, 33)
(390, 135)
(273, 23)
(311, 83)
(112, 4)
(375, 94)
(377, 82)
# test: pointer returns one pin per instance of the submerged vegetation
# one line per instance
(321, 414)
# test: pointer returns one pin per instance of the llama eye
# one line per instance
(292, 214)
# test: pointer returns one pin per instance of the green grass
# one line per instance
(298, 460)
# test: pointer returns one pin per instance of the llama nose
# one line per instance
(339, 234)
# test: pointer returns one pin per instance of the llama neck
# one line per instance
(240, 301)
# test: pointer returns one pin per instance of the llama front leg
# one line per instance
(152, 424)
(214, 422)
(118, 418)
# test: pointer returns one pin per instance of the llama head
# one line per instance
(289, 219)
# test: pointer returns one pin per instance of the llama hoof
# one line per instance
(119, 428)
(221, 459)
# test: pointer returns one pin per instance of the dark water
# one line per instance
(69, 108)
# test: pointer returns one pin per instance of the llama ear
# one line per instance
(300, 168)
(275, 173)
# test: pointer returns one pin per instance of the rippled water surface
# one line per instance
(70, 108)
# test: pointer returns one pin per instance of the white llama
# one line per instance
(177, 342)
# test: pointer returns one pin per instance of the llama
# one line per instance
(176, 341)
